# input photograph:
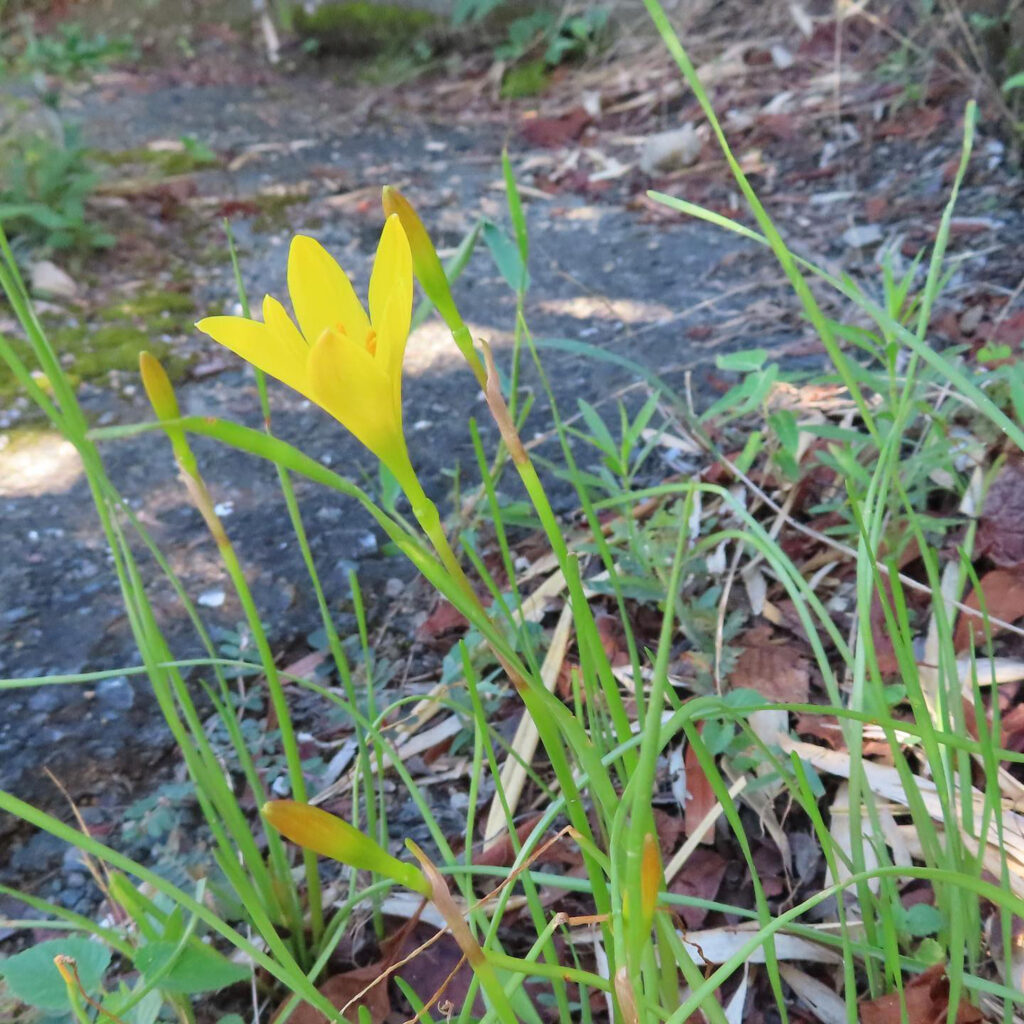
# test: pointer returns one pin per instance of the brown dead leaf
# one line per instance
(341, 988)
(501, 853)
(304, 667)
(428, 972)
(778, 671)
(700, 797)
(700, 878)
(1010, 331)
(927, 1002)
(669, 828)
(442, 625)
(1003, 590)
(552, 132)
(613, 638)
(821, 727)
(1001, 528)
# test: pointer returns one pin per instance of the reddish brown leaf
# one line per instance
(442, 624)
(700, 797)
(427, 973)
(304, 667)
(1011, 331)
(927, 1002)
(1001, 529)
(341, 988)
(613, 638)
(875, 208)
(1012, 724)
(778, 671)
(501, 853)
(700, 878)
(1003, 590)
(821, 727)
(669, 828)
(885, 653)
(553, 132)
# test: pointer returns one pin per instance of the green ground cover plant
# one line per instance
(677, 568)
(48, 174)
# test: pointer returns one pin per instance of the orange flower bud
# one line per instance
(425, 260)
(651, 878)
(333, 837)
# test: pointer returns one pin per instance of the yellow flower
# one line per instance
(344, 360)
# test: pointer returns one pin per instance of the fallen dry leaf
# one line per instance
(500, 853)
(341, 988)
(700, 877)
(778, 671)
(1004, 599)
(442, 625)
(700, 797)
(428, 971)
(552, 132)
(927, 1002)
(1001, 527)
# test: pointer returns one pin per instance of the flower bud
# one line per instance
(158, 387)
(425, 260)
(333, 837)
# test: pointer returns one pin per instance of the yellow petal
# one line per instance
(347, 381)
(321, 293)
(276, 317)
(391, 295)
(256, 343)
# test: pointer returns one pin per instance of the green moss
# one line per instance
(162, 163)
(525, 80)
(273, 212)
(112, 337)
(91, 353)
(363, 29)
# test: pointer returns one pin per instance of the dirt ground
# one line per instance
(306, 149)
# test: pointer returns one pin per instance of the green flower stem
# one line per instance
(69, 972)
(309, 861)
(464, 340)
(536, 699)
(429, 518)
(204, 503)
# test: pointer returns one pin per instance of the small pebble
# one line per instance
(862, 235)
(116, 693)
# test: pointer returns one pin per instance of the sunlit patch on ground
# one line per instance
(627, 311)
(34, 462)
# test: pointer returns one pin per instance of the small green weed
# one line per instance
(70, 53)
(44, 192)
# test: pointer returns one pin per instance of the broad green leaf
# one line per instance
(32, 977)
(198, 968)
(921, 919)
(506, 257)
(783, 422)
(743, 362)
